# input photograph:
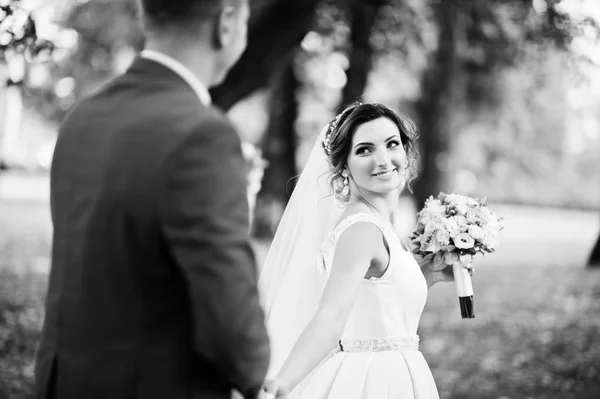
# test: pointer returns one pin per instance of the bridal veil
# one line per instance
(293, 277)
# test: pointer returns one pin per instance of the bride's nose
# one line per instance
(382, 158)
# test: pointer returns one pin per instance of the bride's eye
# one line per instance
(362, 151)
(393, 144)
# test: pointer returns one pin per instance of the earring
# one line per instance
(403, 179)
(346, 189)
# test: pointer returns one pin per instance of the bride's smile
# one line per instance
(385, 174)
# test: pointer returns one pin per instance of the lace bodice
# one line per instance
(388, 307)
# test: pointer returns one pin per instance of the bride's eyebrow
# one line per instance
(395, 136)
(363, 143)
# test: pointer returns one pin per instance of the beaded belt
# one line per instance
(379, 344)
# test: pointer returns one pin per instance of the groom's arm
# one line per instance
(205, 220)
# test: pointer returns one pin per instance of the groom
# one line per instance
(152, 291)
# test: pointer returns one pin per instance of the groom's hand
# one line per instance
(272, 389)
(262, 394)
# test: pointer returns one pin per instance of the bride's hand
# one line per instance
(434, 268)
(274, 389)
(428, 263)
(439, 271)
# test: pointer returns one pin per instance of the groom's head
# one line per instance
(221, 25)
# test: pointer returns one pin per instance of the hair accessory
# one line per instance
(332, 126)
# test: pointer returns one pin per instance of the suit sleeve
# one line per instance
(205, 220)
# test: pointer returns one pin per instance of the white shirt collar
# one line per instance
(181, 70)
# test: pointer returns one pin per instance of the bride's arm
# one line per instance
(353, 254)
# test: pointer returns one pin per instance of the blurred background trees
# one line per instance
(506, 93)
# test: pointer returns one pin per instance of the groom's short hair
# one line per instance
(165, 14)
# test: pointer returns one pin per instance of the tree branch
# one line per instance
(276, 32)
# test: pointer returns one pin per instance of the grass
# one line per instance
(24, 250)
(536, 334)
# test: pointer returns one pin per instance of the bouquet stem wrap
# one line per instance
(464, 290)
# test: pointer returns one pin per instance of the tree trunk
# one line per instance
(594, 260)
(364, 14)
(435, 102)
(279, 149)
(275, 33)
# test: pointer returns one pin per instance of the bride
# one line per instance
(343, 295)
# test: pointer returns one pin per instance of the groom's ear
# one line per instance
(225, 26)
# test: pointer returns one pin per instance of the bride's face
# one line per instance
(377, 159)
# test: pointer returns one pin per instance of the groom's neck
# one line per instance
(198, 57)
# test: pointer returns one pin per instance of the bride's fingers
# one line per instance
(447, 273)
(271, 385)
(438, 262)
(270, 388)
(469, 267)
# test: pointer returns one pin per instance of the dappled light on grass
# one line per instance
(536, 334)
(21, 314)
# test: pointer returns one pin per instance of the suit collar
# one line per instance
(158, 59)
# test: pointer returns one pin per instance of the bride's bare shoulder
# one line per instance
(358, 235)
(352, 209)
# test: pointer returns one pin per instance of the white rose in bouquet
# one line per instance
(476, 232)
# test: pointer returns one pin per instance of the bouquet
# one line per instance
(458, 227)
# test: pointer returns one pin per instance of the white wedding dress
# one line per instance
(379, 356)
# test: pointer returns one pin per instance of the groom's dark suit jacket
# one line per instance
(152, 290)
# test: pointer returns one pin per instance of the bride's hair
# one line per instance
(338, 139)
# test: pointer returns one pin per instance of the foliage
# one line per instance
(484, 102)
(536, 145)
(18, 32)
(108, 35)
(490, 71)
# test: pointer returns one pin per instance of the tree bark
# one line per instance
(433, 107)
(363, 15)
(279, 149)
(275, 33)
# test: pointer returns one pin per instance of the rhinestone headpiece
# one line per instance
(332, 126)
(326, 140)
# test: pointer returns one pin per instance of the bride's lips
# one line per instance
(385, 173)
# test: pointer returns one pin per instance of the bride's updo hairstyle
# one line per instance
(338, 140)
